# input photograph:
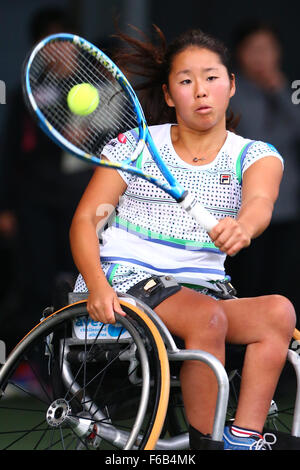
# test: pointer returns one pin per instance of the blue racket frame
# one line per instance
(187, 200)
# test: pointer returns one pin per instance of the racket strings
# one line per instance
(54, 71)
(89, 63)
(116, 101)
(93, 79)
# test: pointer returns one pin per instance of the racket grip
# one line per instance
(198, 212)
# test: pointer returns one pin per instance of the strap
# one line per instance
(228, 291)
(199, 441)
(222, 289)
(240, 160)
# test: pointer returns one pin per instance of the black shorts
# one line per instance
(153, 290)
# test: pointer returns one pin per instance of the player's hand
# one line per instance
(230, 236)
(102, 305)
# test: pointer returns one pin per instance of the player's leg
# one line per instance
(200, 321)
(266, 325)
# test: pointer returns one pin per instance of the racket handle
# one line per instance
(201, 215)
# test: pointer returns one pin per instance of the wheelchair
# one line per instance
(95, 386)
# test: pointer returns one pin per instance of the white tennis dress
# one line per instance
(151, 234)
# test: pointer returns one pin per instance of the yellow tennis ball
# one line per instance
(83, 99)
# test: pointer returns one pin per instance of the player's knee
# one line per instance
(209, 323)
(218, 320)
(282, 314)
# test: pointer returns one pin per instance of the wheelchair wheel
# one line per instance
(72, 383)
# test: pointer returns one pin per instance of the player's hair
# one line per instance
(152, 60)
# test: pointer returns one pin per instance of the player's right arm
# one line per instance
(105, 188)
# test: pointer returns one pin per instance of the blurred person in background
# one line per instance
(40, 188)
(263, 102)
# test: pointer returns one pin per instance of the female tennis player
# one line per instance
(152, 240)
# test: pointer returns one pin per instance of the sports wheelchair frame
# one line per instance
(94, 386)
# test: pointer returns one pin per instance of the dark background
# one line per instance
(94, 20)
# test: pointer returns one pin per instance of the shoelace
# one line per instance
(263, 443)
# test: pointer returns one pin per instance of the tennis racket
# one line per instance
(53, 68)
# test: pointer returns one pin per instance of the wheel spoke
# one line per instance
(25, 433)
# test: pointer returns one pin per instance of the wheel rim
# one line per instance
(64, 435)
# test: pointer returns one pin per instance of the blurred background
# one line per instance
(40, 187)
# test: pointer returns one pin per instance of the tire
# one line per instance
(71, 385)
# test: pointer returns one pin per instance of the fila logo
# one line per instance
(225, 179)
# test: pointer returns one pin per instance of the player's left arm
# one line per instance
(261, 182)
